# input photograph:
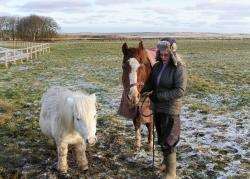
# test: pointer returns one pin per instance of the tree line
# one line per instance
(28, 28)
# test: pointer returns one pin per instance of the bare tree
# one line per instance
(1, 27)
(12, 23)
(8, 27)
(34, 28)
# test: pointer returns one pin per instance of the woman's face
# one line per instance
(165, 56)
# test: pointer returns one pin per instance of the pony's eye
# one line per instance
(77, 119)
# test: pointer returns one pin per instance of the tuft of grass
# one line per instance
(203, 108)
(6, 112)
(201, 86)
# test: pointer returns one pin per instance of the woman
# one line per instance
(168, 83)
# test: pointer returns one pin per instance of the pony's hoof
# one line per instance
(84, 167)
(62, 169)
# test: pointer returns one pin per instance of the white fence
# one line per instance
(8, 56)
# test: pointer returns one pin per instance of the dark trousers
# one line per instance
(168, 131)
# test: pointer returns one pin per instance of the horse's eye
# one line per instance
(78, 119)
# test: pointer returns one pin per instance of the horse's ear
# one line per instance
(141, 45)
(124, 48)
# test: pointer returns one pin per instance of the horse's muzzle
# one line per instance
(133, 97)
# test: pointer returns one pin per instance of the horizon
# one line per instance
(118, 16)
(219, 33)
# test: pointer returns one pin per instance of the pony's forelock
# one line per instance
(85, 106)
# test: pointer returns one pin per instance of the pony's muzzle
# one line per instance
(91, 141)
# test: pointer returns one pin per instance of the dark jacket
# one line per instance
(166, 96)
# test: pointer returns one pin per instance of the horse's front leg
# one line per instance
(62, 152)
(81, 158)
(150, 135)
(137, 125)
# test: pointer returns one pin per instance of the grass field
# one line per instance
(215, 115)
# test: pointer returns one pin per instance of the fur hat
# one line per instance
(165, 43)
(170, 43)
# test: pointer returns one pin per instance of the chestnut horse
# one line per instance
(136, 71)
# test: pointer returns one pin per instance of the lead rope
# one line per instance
(153, 144)
(144, 97)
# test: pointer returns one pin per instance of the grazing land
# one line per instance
(215, 116)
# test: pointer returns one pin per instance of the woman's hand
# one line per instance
(146, 93)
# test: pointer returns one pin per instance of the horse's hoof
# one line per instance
(150, 146)
(150, 149)
(136, 148)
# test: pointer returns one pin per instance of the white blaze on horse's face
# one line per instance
(133, 92)
(85, 117)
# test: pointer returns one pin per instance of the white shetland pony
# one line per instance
(69, 118)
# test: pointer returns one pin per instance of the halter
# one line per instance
(140, 84)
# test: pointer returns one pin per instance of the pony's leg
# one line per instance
(150, 135)
(62, 151)
(81, 158)
(137, 125)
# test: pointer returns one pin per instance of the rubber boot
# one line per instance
(170, 171)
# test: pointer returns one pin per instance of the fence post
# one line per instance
(14, 56)
(30, 53)
(27, 54)
(35, 52)
(44, 45)
(41, 49)
(6, 59)
(21, 56)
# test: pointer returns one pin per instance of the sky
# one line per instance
(219, 16)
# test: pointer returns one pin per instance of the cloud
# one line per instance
(141, 15)
(55, 5)
(229, 6)
(4, 14)
(117, 2)
(222, 14)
